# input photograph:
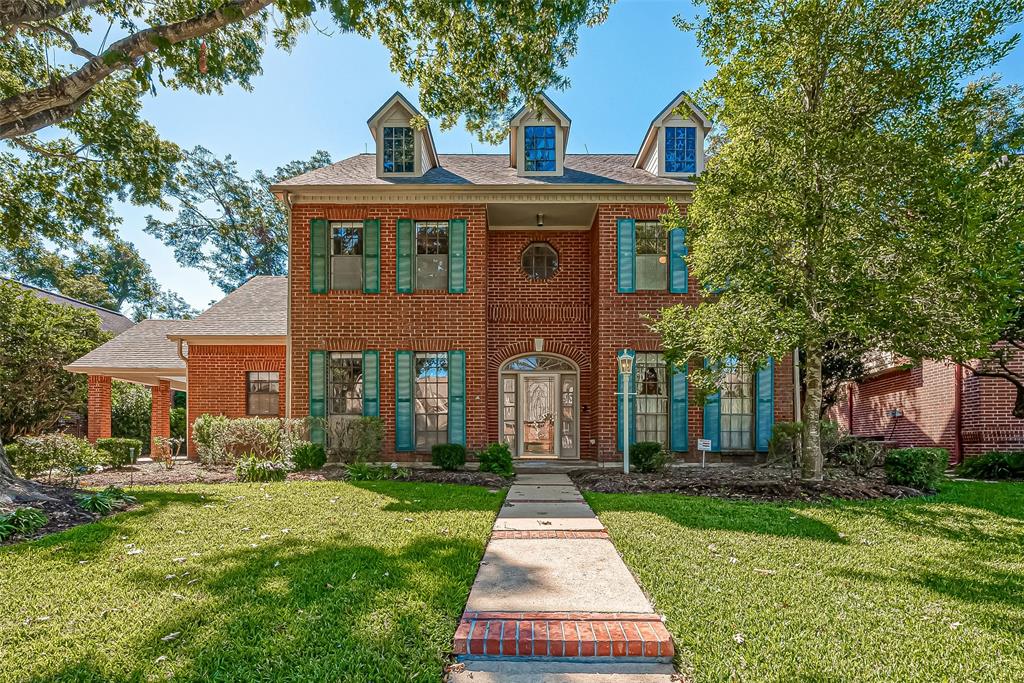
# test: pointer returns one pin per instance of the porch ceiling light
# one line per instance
(540, 220)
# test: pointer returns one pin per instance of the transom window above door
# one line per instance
(540, 261)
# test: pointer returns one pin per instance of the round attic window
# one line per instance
(540, 261)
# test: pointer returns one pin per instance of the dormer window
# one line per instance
(539, 147)
(399, 151)
(680, 149)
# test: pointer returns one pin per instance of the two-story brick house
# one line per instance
(473, 298)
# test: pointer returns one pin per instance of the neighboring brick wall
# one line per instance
(988, 421)
(217, 378)
(924, 394)
(387, 322)
(99, 407)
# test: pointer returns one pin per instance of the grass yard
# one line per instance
(297, 581)
(917, 590)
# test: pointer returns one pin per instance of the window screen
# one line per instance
(263, 390)
(432, 255)
(347, 255)
(651, 255)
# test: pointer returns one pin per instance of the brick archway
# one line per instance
(526, 348)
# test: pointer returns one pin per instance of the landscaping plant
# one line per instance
(497, 458)
(69, 455)
(361, 471)
(919, 468)
(784, 445)
(993, 465)
(448, 456)
(647, 456)
(860, 456)
(252, 468)
(106, 501)
(308, 456)
(358, 439)
(120, 451)
(21, 521)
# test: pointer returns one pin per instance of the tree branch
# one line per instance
(21, 11)
(29, 111)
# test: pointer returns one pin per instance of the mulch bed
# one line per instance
(63, 513)
(752, 483)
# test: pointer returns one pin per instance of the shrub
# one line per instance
(920, 468)
(209, 434)
(106, 501)
(647, 456)
(254, 469)
(165, 450)
(68, 454)
(308, 456)
(497, 458)
(220, 440)
(361, 471)
(993, 465)
(119, 450)
(448, 456)
(357, 440)
(179, 425)
(784, 444)
(860, 456)
(22, 521)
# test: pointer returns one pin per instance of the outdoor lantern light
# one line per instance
(625, 361)
(540, 220)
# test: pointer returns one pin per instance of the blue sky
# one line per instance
(320, 95)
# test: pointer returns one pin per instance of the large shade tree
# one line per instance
(73, 74)
(862, 191)
(228, 226)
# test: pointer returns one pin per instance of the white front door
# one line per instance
(539, 415)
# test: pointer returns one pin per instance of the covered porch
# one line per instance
(141, 355)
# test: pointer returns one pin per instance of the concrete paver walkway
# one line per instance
(553, 600)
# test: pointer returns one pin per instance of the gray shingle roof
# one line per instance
(487, 169)
(257, 308)
(110, 321)
(143, 347)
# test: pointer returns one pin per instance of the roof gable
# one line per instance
(683, 101)
(400, 100)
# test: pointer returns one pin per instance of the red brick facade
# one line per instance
(160, 414)
(99, 407)
(933, 404)
(217, 378)
(578, 314)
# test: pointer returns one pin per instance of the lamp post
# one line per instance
(625, 363)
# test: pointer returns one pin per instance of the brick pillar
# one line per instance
(99, 407)
(160, 415)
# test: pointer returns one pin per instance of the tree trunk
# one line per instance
(14, 490)
(812, 461)
(1018, 405)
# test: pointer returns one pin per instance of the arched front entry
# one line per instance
(539, 406)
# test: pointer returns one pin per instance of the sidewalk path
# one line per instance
(553, 600)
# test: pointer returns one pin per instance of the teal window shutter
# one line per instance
(713, 419)
(625, 241)
(622, 391)
(404, 440)
(318, 239)
(680, 417)
(371, 256)
(457, 256)
(457, 397)
(678, 272)
(404, 267)
(371, 384)
(317, 396)
(764, 388)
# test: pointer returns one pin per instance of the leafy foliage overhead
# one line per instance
(230, 227)
(866, 188)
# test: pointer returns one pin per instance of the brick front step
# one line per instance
(563, 634)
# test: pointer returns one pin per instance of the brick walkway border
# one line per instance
(554, 533)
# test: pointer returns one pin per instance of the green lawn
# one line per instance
(921, 590)
(297, 581)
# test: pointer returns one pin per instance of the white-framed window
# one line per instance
(652, 399)
(540, 261)
(430, 413)
(262, 393)
(539, 148)
(432, 255)
(344, 383)
(680, 149)
(736, 406)
(399, 150)
(346, 255)
(651, 256)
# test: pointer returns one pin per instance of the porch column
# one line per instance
(160, 415)
(99, 407)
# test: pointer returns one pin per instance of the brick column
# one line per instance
(99, 407)
(160, 415)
